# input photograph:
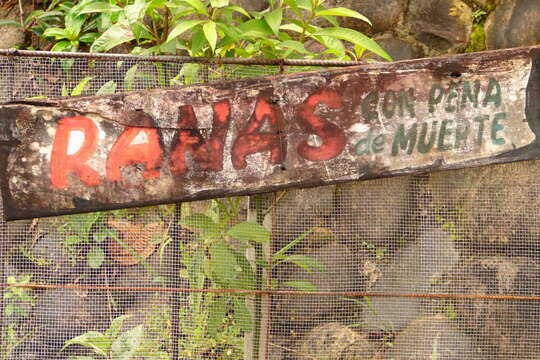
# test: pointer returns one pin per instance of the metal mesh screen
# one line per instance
(440, 266)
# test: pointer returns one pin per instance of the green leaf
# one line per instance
(301, 285)
(219, 3)
(98, 7)
(249, 231)
(340, 11)
(89, 38)
(4, 22)
(129, 78)
(98, 342)
(199, 222)
(307, 263)
(74, 23)
(182, 27)
(64, 45)
(238, 9)
(223, 265)
(81, 86)
(255, 28)
(117, 34)
(356, 38)
(55, 32)
(116, 326)
(242, 315)
(135, 11)
(274, 19)
(216, 313)
(127, 344)
(279, 254)
(198, 6)
(100, 235)
(294, 46)
(95, 257)
(108, 88)
(209, 29)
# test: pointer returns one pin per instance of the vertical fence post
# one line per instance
(176, 235)
(3, 249)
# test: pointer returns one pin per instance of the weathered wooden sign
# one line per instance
(258, 135)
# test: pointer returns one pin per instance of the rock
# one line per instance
(505, 329)
(513, 23)
(443, 25)
(11, 36)
(252, 5)
(334, 341)
(413, 271)
(383, 14)
(340, 273)
(432, 338)
(361, 219)
(491, 209)
(61, 314)
(399, 49)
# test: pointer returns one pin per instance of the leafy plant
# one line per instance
(114, 344)
(18, 298)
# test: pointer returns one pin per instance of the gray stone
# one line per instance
(398, 49)
(413, 271)
(443, 25)
(513, 24)
(383, 14)
(492, 209)
(334, 341)
(504, 329)
(13, 36)
(362, 218)
(433, 338)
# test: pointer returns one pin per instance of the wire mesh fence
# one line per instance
(440, 266)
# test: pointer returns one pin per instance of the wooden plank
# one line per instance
(258, 135)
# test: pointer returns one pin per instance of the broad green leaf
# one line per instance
(292, 27)
(89, 38)
(116, 326)
(98, 7)
(273, 19)
(95, 257)
(301, 285)
(55, 32)
(238, 9)
(108, 88)
(74, 23)
(199, 222)
(255, 28)
(223, 265)
(127, 344)
(198, 42)
(98, 342)
(4, 22)
(216, 314)
(229, 31)
(249, 231)
(293, 45)
(129, 78)
(81, 86)
(246, 278)
(198, 6)
(242, 315)
(340, 11)
(219, 3)
(356, 38)
(135, 12)
(62, 46)
(182, 27)
(117, 34)
(209, 29)
(307, 263)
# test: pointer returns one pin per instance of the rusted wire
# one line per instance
(178, 59)
(272, 292)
